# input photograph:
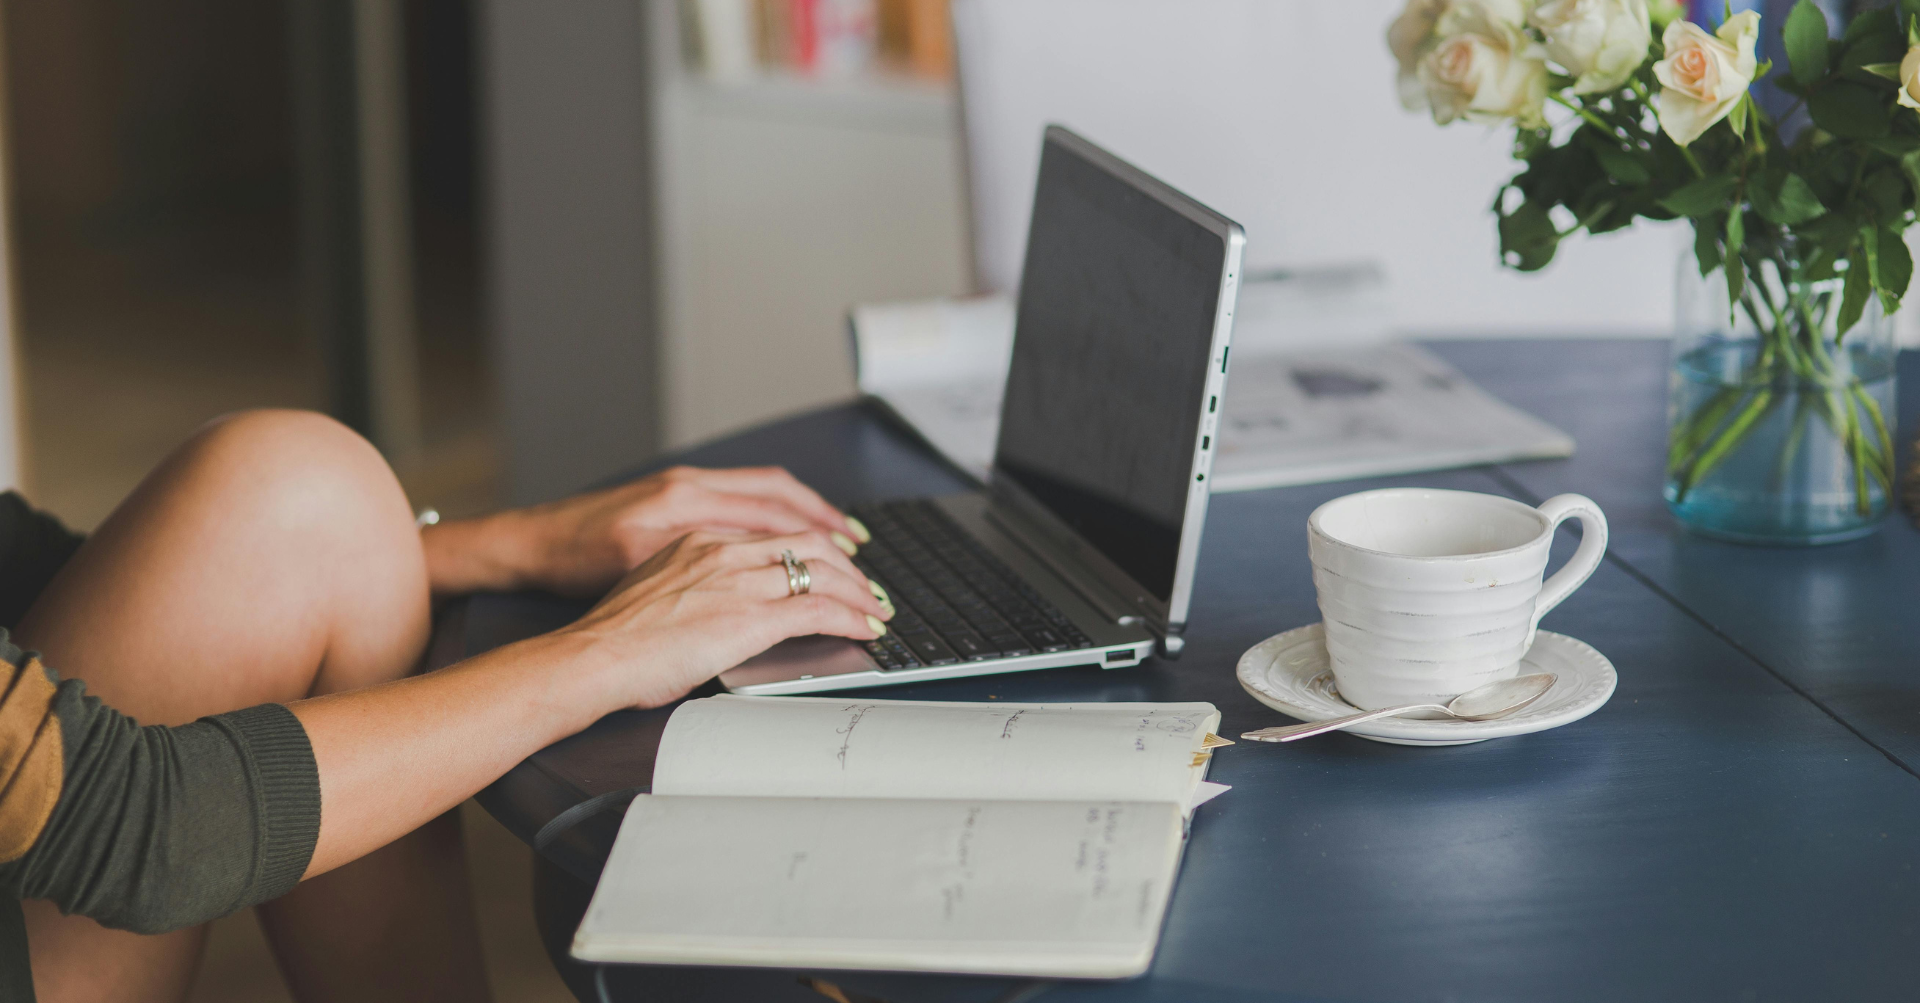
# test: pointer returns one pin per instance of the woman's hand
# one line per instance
(708, 601)
(580, 546)
(395, 755)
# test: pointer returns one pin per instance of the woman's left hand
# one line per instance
(581, 546)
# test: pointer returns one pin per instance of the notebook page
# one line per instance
(990, 887)
(747, 746)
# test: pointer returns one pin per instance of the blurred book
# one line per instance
(1317, 392)
(735, 40)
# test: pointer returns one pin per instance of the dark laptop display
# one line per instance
(1117, 307)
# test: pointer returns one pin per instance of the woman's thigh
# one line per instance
(271, 558)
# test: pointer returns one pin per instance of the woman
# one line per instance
(259, 603)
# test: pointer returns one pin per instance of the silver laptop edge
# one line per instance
(1120, 616)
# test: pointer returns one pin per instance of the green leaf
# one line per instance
(1873, 23)
(1738, 116)
(1707, 195)
(1619, 164)
(1885, 71)
(1528, 237)
(1895, 146)
(1706, 250)
(1910, 165)
(1785, 198)
(1853, 298)
(1849, 110)
(1887, 192)
(1805, 36)
(1893, 270)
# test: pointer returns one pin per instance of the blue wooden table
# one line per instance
(1741, 822)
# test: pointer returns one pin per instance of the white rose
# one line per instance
(1410, 37)
(1910, 78)
(1485, 67)
(1704, 75)
(1599, 42)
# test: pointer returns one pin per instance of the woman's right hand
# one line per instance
(709, 601)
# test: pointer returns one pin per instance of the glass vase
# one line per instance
(1778, 422)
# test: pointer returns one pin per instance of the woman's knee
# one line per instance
(301, 469)
(308, 480)
(305, 503)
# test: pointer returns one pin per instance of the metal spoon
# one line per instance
(1482, 703)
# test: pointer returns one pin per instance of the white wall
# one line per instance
(1282, 114)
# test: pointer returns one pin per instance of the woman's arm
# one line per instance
(393, 756)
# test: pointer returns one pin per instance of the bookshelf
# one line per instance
(782, 199)
(671, 256)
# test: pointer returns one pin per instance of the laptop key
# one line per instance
(970, 645)
(1010, 644)
(929, 648)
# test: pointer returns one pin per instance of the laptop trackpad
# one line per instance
(817, 655)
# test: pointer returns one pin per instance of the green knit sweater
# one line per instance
(141, 828)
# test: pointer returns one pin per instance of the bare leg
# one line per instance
(271, 558)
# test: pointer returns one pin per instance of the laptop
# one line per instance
(1081, 548)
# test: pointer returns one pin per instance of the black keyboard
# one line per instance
(953, 600)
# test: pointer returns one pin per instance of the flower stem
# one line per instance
(1725, 442)
(1698, 171)
(1599, 123)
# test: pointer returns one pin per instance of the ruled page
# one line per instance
(1068, 889)
(856, 748)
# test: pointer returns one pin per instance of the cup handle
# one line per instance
(1593, 546)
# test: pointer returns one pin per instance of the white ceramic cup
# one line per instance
(1426, 594)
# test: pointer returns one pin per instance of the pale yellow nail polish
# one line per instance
(840, 540)
(886, 607)
(874, 623)
(878, 592)
(859, 530)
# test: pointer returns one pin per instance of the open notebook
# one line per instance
(1010, 839)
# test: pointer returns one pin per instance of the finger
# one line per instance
(777, 483)
(821, 614)
(744, 512)
(812, 547)
(772, 583)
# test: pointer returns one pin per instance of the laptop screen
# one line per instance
(1110, 351)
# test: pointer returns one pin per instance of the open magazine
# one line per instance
(1298, 410)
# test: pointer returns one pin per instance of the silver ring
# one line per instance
(799, 580)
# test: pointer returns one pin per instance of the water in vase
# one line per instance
(1792, 477)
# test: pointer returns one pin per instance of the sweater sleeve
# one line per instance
(33, 547)
(147, 828)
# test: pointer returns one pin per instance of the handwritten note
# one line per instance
(788, 747)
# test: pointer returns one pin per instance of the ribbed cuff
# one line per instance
(286, 782)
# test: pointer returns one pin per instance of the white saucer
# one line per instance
(1289, 673)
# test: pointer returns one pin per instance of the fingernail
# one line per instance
(886, 606)
(878, 592)
(859, 530)
(840, 540)
(873, 622)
